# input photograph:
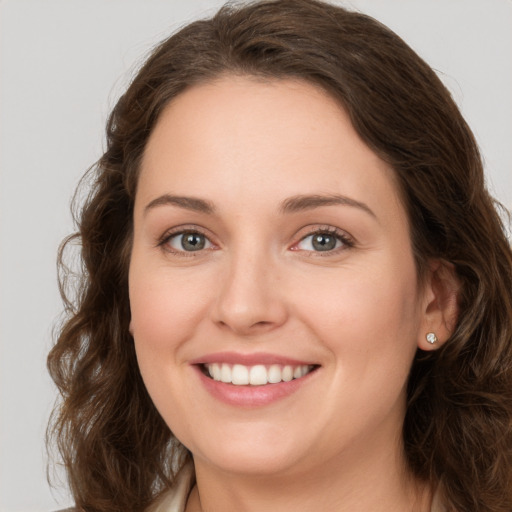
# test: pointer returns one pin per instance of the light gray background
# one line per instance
(63, 64)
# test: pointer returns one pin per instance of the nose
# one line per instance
(250, 299)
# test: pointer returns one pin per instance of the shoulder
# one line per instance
(175, 499)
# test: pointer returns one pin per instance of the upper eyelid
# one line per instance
(314, 229)
(300, 235)
(179, 230)
(347, 240)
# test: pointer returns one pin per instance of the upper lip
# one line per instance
(249, 359)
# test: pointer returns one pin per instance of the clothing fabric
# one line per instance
(437, 504)
(175, 500)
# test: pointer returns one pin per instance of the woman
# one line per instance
(296, 289)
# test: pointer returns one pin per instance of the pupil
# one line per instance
(324, 242)
(193, 242)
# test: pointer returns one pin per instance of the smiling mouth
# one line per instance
(256, 375)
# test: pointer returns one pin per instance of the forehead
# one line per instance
(242, 136)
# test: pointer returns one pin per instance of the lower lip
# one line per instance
(251, 396)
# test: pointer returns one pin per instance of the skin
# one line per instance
(357, 311)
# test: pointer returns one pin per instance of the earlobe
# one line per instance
(440, 309)
(431, 338)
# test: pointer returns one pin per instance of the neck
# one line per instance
(357, 481)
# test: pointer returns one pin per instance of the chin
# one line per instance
(252, 452)
(255, 462)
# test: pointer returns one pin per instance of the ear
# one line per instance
(440, 304)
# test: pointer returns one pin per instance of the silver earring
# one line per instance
(431, 338)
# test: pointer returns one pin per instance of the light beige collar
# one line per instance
(437, 505)
(176, 499)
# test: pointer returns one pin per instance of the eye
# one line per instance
(323, 241)
(188, 241)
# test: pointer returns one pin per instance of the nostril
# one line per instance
(262, 323)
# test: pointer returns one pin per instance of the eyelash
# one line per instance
(341, 236)
(169, 235)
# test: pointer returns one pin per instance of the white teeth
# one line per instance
(274, 374)
(257, 375)
(225, 373)
(239, 375)
(287, 373)
(214, 371)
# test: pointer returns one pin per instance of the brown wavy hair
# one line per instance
(118, 452)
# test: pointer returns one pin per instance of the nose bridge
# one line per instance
(249, 298)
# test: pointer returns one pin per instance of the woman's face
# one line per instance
(269, 244)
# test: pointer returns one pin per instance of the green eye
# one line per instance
(189, 241)
(322, 241)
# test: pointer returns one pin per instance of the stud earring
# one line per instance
(431, 338)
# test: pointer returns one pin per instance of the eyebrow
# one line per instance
(308, 202)
(291, 205)
(188, 203)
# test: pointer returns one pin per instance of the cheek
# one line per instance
(164, 310)
(362, 300)
(369, 319)
(163, 316)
